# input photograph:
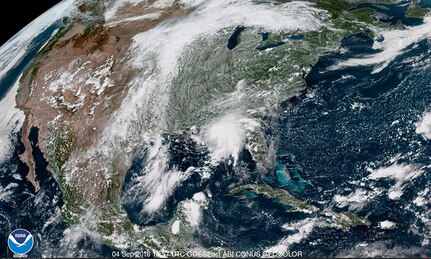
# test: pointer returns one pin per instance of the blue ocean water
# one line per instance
(425, 3)
(8, 80)
(392, 13)
(350, 119)
(347, 120)
(37, 212)
(20, 205)
(23, 208)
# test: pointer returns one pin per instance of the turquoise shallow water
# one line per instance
(356, 120)
(327, 138)
(325, 144)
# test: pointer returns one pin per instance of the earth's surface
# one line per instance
(212, 127)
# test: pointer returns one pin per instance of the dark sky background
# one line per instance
(18, 13)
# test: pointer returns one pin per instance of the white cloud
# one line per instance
(175, 227)
(423, 127)
(393, 45)
(386, 224)
(401, 173)
(10, 54)
(14, 49)
(356, 199)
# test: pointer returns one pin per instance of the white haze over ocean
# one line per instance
(14, 49)
(10, 122)
(10, 54)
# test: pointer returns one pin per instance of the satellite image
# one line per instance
(217, 129)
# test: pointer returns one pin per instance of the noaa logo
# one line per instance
(20, 241)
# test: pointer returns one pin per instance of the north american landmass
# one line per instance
(121, 86)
